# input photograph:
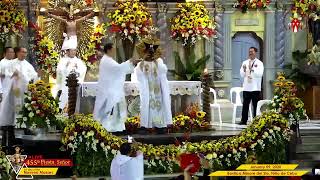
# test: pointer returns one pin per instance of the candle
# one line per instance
(205, 71)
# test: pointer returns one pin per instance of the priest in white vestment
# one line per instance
(23, 73)
(153, 84)
(65, 66)
(110, 106)
(5, 74)
(127, 164)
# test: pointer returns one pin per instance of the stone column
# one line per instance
(280, 39)
(269, 54)
(288, 42)
(218, 45)
(227, 42)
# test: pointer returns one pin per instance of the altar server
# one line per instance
(252, 72)
(65, 66)
(110, 105)
(153, 84)
(5, 74)
(23, 73)
(127, 164)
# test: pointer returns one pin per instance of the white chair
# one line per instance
(238, 102)
(260, 104)
(215, 104)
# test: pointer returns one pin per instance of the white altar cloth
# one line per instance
(131, 88)
(182, 94)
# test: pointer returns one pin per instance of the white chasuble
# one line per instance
(154, 94)
(110, 105)
(17, 85)
(125, 167)
(65, 66)
(6, 73)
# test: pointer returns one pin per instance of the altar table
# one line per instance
(182, 94)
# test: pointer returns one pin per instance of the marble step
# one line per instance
(308, 155)
(310, 139)
(307, 147)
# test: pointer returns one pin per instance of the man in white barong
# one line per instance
(110, 106)
(127, 164)
(5, 74)
(23, 73)
(65, 66)
(252, 72)
(153, 84)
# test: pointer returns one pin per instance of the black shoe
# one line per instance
(118, 133)
(143, 131)
(242, 123)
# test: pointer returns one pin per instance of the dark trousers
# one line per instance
(248, 96)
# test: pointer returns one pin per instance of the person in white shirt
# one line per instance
(110, 105)
(252, 72)
(65, 66)
(5, 74)
(127, 164)
(23, 73)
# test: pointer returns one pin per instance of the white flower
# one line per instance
(209, 156)
(24, 118)
(234, 151)
(221, 156)
(114, 152)
(229, 155)
(214, 155)
(27, 105)
(90, 133)
(270, 131)
(23, 125)
(102, 144)
(29, 109)
(253, 145)
(71, 138)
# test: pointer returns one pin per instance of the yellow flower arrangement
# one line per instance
(95, 44)
(285, 101)
(40, 108)
(12, 19)
(191, 23)
(130, 20)
(43, 48)
(268, 130)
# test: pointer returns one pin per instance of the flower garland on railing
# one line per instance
(40, 107)
(244, 5)
(5, 167)
(85, 136)
(95, 44)
(191, 120)
(47, 57)
(130, 20)
(285, 100)
(192, 22)
(12, 19)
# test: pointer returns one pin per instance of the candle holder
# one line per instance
(206, 83)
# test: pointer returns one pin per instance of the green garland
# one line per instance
(89, 144)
